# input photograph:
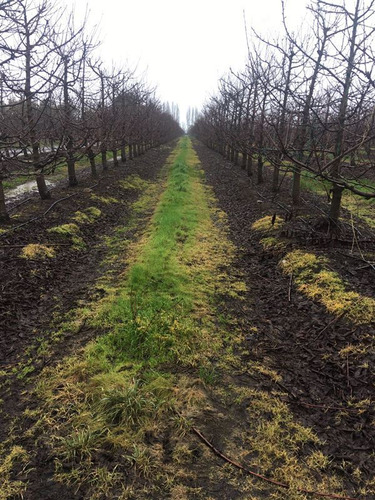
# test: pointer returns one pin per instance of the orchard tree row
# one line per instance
(59, 103)
(304, 104)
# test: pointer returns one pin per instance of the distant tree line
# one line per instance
(59, 103)
(303, 104)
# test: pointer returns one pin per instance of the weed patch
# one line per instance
(65, 230)
(37, 251)
(134, 182)
(88, 216)
(107, 200)
(317, 282)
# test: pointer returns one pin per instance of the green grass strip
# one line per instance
(149, 320)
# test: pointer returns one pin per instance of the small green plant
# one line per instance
(268, 223)
(208, 374)
(127, 406)
(71, 231)
(25, 371)
(273, 243)
(102, 481)
(142, 461)
(107, 200)
(82, 443)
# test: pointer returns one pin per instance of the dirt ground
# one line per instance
(296, 336)
(290, 326)
(31, 293)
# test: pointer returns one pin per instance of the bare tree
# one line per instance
(30, 77)
(307, 104)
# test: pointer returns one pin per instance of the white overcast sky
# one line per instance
(184, 46)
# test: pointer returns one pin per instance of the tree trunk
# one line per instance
(91, 157)
(123, 154)
(296, 187)
(104, 159)
(261, 142)
(3, 211)
(72, 172)
(232, 154)
(260, 169)
(71, 164)
(42, 186)
(276, 175)
(302, 138)
(244, 161)
(283, 131)
(115, 160)
(334, 212)
(249, 169)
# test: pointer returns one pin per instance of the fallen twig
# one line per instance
(94, 185)
(34, 219)
(259, 476)
(361, 259)
(56, 202)
(329, 324)
(19, 204)
(290, 287)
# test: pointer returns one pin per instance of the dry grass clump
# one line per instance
(37, 251)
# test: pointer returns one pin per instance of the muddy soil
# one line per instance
(33, 290)
(296, 336)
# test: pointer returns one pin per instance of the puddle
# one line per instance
(29, 187)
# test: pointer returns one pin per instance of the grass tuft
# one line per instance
(268, 223)
(88, 216)
(66, 230)
(10, 488)
(37, 251)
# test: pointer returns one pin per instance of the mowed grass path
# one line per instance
(150, 318)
